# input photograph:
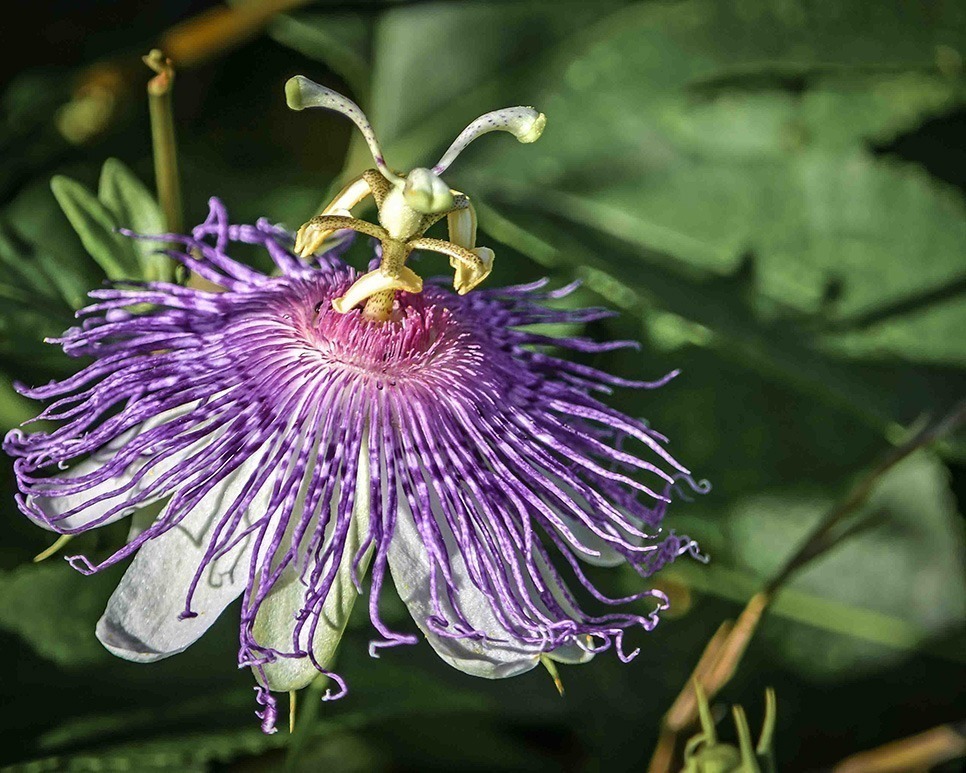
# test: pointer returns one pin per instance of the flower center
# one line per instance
(422, 342)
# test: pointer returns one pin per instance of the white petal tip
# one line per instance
(124, 645)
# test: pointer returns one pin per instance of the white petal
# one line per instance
(275, 620)
(608, 556)
(141, 621)
(501, 654)
(59, 504)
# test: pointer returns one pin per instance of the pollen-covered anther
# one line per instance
(468, 277)
(375, 282)
(472, 265)
(311, 237)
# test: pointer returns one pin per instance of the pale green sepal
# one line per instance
(571, 654)
(275, 620)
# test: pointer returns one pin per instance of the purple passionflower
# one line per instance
(295, 448)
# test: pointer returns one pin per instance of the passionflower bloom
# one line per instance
(290, 451)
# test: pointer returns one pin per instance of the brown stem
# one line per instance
(218, 29)
(919, 752)
(104, 89)
(724, 651)
(684, 708)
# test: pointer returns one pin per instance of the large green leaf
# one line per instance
(55, 610)
(692, 142)
(908, 565)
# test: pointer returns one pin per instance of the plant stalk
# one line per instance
(724, 651)
(163, 140)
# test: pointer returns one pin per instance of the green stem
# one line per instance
(821, 539)
(724, 653)
(305, 723)
(163, 141)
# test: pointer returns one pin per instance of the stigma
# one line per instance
(407, 205)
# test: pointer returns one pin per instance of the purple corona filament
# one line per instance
(290, 450)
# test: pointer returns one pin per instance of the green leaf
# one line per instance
(49, 248)
(21, 277)
(711, 161)
(30, 310)
(910, 566)
(886, 233)
(96, 226)
(55, 610)
(187, 752)
(341, 40)
(132, 206)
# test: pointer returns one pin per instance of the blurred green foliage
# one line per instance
(770, 191)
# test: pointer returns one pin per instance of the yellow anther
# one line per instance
(375, 282)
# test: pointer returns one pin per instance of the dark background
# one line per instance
(771, 193)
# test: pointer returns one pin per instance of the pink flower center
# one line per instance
(423, 342)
